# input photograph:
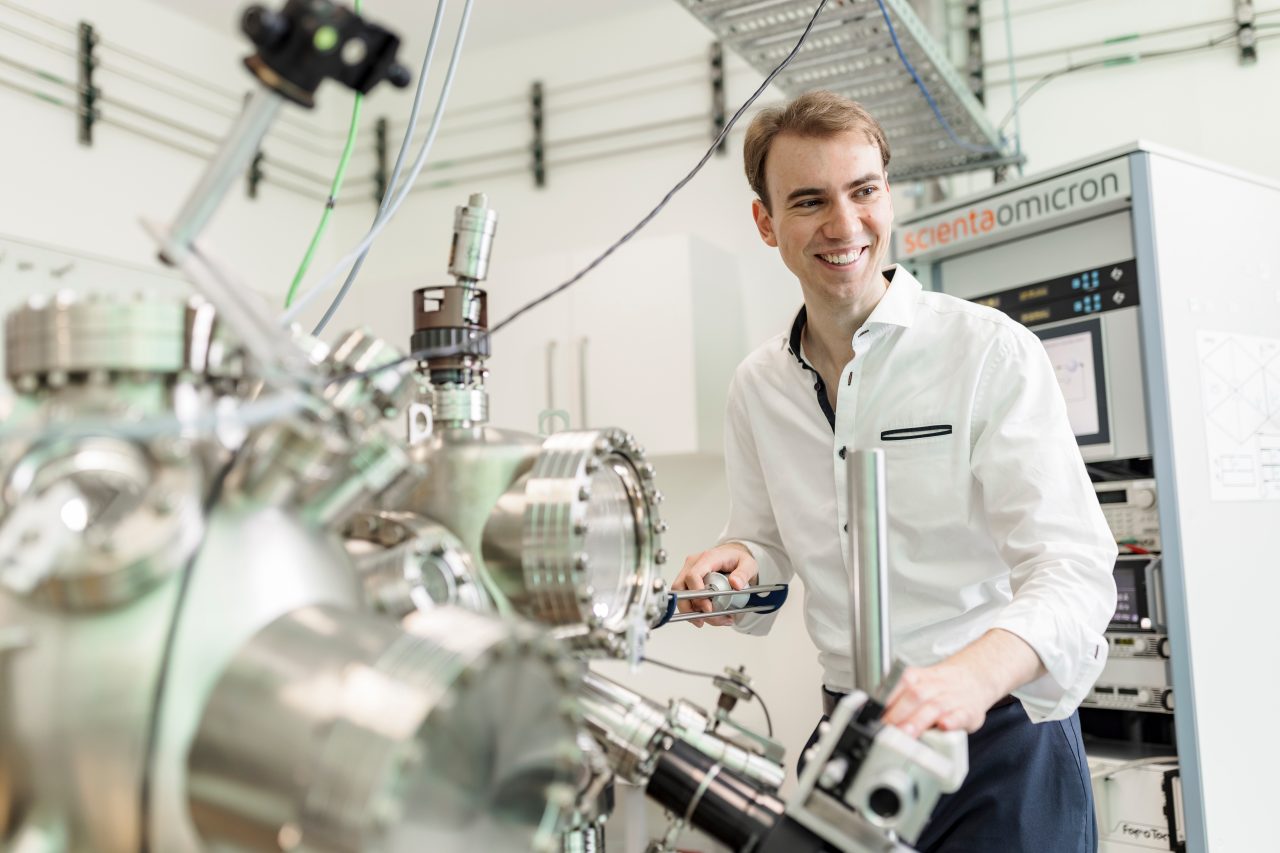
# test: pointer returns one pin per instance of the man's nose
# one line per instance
(843, 221)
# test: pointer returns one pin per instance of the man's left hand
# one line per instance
(957, 693)
(946, 695)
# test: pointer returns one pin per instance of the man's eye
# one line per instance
(865, 192)
(809, 202)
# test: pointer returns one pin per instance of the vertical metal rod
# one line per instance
(230, 163)
(582, 382)
(869, 584)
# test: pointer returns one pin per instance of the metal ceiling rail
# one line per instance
(851, 51)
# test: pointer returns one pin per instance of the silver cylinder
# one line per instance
(869, 584)
(473, 229)
(333, 730)
(631, 728)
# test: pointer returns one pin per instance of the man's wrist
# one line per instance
(1000, 662)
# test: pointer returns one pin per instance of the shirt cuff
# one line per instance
(758, 624)
(1072, 667)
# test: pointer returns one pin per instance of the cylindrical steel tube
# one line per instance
(713, 798)
(473, 228)
(869, 584)
(228, 167)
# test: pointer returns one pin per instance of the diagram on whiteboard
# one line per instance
(1240, 380)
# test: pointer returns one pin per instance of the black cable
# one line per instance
(166, 656)
(768, 720)
(680, 185)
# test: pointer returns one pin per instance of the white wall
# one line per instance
(90, 198)
(1204, 103)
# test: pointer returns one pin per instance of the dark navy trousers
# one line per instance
(1028, 791)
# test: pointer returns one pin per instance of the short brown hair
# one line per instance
(817, 114)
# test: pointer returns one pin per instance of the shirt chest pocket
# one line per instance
(924, 457)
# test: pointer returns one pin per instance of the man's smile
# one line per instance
(843, 257)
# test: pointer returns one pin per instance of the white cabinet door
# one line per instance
(530, 369)
(659, 311)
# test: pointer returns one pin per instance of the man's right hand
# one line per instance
(730, 559)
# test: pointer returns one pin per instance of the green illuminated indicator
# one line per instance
(325, 39)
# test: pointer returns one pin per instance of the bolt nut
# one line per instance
(660, 557)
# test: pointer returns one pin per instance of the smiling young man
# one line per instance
(1000, 559)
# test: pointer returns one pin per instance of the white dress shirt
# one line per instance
(993, 522)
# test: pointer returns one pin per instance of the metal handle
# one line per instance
(582, 382)
(869, 584)
(1154, 572)
(765, 598)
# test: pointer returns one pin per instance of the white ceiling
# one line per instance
(492, 21)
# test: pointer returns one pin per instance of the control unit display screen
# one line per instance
(1129, 597)
(1075, 349)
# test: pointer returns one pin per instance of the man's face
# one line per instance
(831, 212)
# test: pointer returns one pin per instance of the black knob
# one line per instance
(263, 26)
(399, 76)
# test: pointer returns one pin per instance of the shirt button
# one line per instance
(846, 528)
(844, 451)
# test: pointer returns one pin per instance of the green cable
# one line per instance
(333, 194)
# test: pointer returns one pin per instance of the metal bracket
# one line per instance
(1172, 801)
(1246, 32)
(255, 174)
(973, 57)
(380, 175)
(86, 62)
(717, 94)
(537, 147)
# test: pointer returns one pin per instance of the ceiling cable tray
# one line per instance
(851, 51)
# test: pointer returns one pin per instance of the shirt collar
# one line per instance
(896, 308)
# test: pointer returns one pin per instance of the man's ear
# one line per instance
(764, 223)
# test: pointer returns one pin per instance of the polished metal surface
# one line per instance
(850, 51)
(94, 522)
(408, 741)
(632, 729)
(407, 563)
(869, 558)
(51, 339)
(463, 475)
(459, 405)
(473, 228)
(575, 542)
(374, 397)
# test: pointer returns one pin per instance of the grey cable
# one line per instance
(414, 112)
(403, 192)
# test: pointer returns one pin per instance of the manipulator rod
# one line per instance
(869, 584)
